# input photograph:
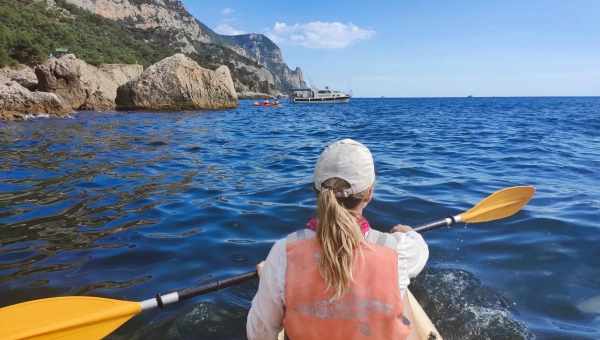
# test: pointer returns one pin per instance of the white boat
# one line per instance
(326, 95)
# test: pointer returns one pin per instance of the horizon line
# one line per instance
(473, 97)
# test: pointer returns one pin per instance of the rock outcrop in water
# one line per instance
(179, 83)
(17, 102)
(22, 74)
(68, 83)
(84, 86)
(255, 62)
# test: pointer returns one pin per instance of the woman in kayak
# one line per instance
(338, 278)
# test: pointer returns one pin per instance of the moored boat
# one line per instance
(326, 95)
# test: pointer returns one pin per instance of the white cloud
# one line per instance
(227, 11)
(318, 34)
(227, 29)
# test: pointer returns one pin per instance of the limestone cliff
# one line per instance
(260, 48)
(178, 83)
(22, 74)
(167, 15)
(255, 61)
(84, 86)
(17, 102)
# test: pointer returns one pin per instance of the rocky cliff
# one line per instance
(22, 74)
(261, 49)
(83, 86)
(17, 102)
(178, 83)
(255, 61)
(166, 15)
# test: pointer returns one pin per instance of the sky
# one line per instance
(428, 48)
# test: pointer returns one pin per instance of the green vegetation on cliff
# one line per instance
(30, 31)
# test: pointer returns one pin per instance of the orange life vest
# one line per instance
(371, 308)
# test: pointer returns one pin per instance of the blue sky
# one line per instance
(427, 48)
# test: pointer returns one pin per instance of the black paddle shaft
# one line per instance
(216, 285)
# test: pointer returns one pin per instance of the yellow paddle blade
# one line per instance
(69, 317)
(501, 204)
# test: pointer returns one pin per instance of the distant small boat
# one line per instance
(326, 95)
(267, 103)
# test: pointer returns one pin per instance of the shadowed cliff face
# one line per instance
(258, 47)
(265, 52)
(258, 67)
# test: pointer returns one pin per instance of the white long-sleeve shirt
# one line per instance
(266, 314)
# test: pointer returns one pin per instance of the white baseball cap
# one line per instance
(349, 160)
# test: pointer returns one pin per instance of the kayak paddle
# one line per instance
(501, 204)
(85, 317)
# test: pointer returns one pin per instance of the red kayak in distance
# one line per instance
(267, 103)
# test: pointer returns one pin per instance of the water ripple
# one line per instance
(128, 205)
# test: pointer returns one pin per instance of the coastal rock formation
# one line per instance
(120, 73)
(167, 15)
(179, 83)
(84, 86)
(22, 74)
(255, 62)
(260, 48)
(17, 102)
(254, 95)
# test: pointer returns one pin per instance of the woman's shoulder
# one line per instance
(396, 241)
(301, 234)
(277, 254)
(381, 239)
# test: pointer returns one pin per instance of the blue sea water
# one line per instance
(126, 205)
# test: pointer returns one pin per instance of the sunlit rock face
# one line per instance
(18, 103)
(83, 86)
(22, 74)
(179, 83)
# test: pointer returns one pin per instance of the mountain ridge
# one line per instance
(170, 18)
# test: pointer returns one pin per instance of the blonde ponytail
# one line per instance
(338, 234)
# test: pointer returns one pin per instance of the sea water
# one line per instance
(126, 205)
